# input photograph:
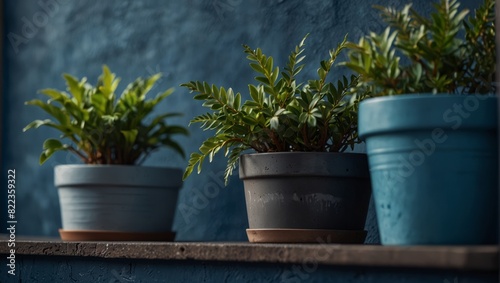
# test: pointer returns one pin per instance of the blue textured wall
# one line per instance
(184, 39)
(70, 269)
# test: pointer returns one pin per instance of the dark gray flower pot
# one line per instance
(117, 198)
(306, 190)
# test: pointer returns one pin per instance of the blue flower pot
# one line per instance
(434, 167)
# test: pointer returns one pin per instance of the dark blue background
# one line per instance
(184, 39)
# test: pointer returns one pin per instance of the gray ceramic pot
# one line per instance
(306, 190)
(117, 198)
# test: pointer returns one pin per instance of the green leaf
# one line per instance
(239, 130)
(232, 162)
(108, 82)
(50, 147)
(311, 121)
(314, 101)
(275, 75)
(269, 64)
(55, 95)
(263, 80)
(52, 144)
(254, 93)
(303, 118)
(99, 102)
(36, 124)
(160, 97)
(274, 123)
(230, 98)
(250, 120)
(194, 159)
(237, 101)
(55, 112)
(201, 96)
(130, 136)
(75, 88)
(257, 68)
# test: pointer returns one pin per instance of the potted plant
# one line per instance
(299, 187)
(110, 197)
(431, 125)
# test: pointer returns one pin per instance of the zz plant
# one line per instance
(101, 129)
(443, 53)
(281, 114)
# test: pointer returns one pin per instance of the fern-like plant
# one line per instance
(442, 53)
(101, 129)
(280, 115)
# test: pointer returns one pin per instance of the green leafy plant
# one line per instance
(442, 53)
(281, 114)
(101, 129)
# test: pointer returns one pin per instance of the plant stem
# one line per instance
(79, 154)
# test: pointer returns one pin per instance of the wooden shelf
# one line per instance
(477, 258)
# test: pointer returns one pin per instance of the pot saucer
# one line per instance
(306, 236)
(91, 235)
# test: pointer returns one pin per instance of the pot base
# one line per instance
(306, 236)
(89, 235)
